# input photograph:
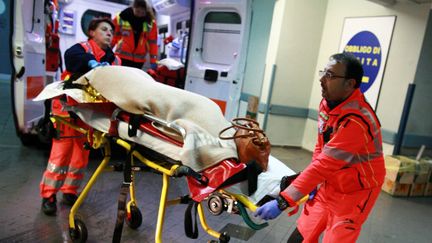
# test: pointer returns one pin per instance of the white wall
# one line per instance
(262, 12)
(293, 48)
(401, 62)
(420, 119)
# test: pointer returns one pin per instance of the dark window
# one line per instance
(125, 2)
(223, 18)
(89, 15)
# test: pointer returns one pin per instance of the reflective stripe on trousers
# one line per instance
(67, 162)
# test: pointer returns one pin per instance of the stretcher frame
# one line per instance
(97, 139)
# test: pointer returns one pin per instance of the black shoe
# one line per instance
(69, 198)
(49, 205)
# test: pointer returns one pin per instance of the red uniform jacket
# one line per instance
(76, 60)
(126, 48)
(348, 155)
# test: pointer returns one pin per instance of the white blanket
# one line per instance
(134, 91)
(268, 181)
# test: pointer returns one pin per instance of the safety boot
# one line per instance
(49, 205)
(69, 199)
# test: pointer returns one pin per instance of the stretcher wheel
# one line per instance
(45, 131)
(134, 219)
(28, 139)
(79, 234)
(224, 238)
(215, 205)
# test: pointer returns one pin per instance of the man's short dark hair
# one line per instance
(353, 67)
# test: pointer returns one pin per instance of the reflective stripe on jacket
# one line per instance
(124, 39)
(348, 155)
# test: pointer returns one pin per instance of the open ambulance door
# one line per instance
(28, 58)
(217, 52)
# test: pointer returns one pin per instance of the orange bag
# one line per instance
(252, 143)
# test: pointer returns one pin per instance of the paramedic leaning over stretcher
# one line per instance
(135, 35)
(68, 158)
(347, 161)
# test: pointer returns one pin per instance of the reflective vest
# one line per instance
(125, 41)
(348, 155)
(92, 48)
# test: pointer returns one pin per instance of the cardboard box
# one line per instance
(417, 189)
(429, 163)
(400, 169)
(422, 172)
(428, 189)
(395, 188)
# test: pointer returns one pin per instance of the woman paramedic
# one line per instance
(68, 158)
(135, 35)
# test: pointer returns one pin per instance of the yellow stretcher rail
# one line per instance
(252, 207)
(147, 162)
(204, 223)
(99, 140)
(89, 185)
(245, 201)
(59, 119)
(303, 200)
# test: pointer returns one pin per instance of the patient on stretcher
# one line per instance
(179, 114)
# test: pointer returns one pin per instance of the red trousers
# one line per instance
(340, 216)
(67, 161)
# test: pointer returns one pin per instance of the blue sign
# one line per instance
(366, 47)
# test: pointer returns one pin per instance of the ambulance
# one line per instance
(208, 38)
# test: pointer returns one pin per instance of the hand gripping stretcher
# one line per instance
(170, 130)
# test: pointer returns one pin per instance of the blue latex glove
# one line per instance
(313, 193)
(270, 210)
(153, 66)
(93, 63)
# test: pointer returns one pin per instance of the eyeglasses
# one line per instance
(329, 75)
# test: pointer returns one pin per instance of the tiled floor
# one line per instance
(393, 219)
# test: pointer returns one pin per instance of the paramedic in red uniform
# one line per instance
(135, 35)
(347, 163)
(68, 158)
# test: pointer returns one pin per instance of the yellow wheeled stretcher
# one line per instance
(173, 132)
(78, 230)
